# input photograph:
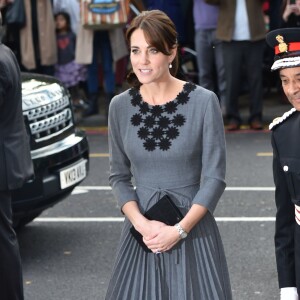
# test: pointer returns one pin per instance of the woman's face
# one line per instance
(148, 64)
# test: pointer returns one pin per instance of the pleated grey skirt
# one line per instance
(195, 269)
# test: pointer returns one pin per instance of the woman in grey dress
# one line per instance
(166, 136)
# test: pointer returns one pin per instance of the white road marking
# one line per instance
(85, 189)
(239, 188)
(250, 188)
(94, 188)
(78, 191)
(120, 219)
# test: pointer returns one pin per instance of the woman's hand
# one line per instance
(158, 236)
(161, 237)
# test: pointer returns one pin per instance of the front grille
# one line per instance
(48, 109)
(49, 112)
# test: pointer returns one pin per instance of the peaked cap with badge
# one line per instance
(286, 45)
(286, 168)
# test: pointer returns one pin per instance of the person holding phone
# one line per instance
(291, 13)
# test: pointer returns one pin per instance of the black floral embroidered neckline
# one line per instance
(159, 124)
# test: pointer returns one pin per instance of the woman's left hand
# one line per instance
(166, 239)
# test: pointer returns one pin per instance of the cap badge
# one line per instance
(283, 47)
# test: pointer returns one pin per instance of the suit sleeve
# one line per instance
(284, 227)
(3, 83)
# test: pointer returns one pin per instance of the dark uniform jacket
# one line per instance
(15, 160)
(286, 172)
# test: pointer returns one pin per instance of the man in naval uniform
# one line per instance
(286, 162)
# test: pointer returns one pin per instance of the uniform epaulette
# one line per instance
(279, 120)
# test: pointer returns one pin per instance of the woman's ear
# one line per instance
(173, 53)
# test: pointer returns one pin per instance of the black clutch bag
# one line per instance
(164, 211)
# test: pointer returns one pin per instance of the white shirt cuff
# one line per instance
(289, 293)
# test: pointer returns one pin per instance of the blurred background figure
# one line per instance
(209, 50)
(100, 50)
(37, 38)
(274, 13)
(33, 41)
(3, 3)
(72, 8)
(175, 11)
(67, 70)
(181, 13)
(290, 13)
(241, 28)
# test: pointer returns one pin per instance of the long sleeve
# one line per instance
(213, 157)
(120, 177)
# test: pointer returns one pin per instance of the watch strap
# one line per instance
(181, 231)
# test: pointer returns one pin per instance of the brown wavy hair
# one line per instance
(160, 32)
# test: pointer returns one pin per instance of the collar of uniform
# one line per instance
(279, 120)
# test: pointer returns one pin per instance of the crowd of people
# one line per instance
(50, 42)
(228, 38)
(236, 31)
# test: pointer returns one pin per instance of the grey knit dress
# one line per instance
(169, 149)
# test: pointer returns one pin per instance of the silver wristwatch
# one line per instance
(183, 234)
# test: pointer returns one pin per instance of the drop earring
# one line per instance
(170, 66)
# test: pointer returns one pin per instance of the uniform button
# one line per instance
(285, 168)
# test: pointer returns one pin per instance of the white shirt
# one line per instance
(241, 30)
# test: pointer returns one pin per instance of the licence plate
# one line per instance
(73, 174)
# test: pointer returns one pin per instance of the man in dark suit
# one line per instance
(15, 168)
(286, 162)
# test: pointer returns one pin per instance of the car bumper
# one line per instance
(49, 163)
